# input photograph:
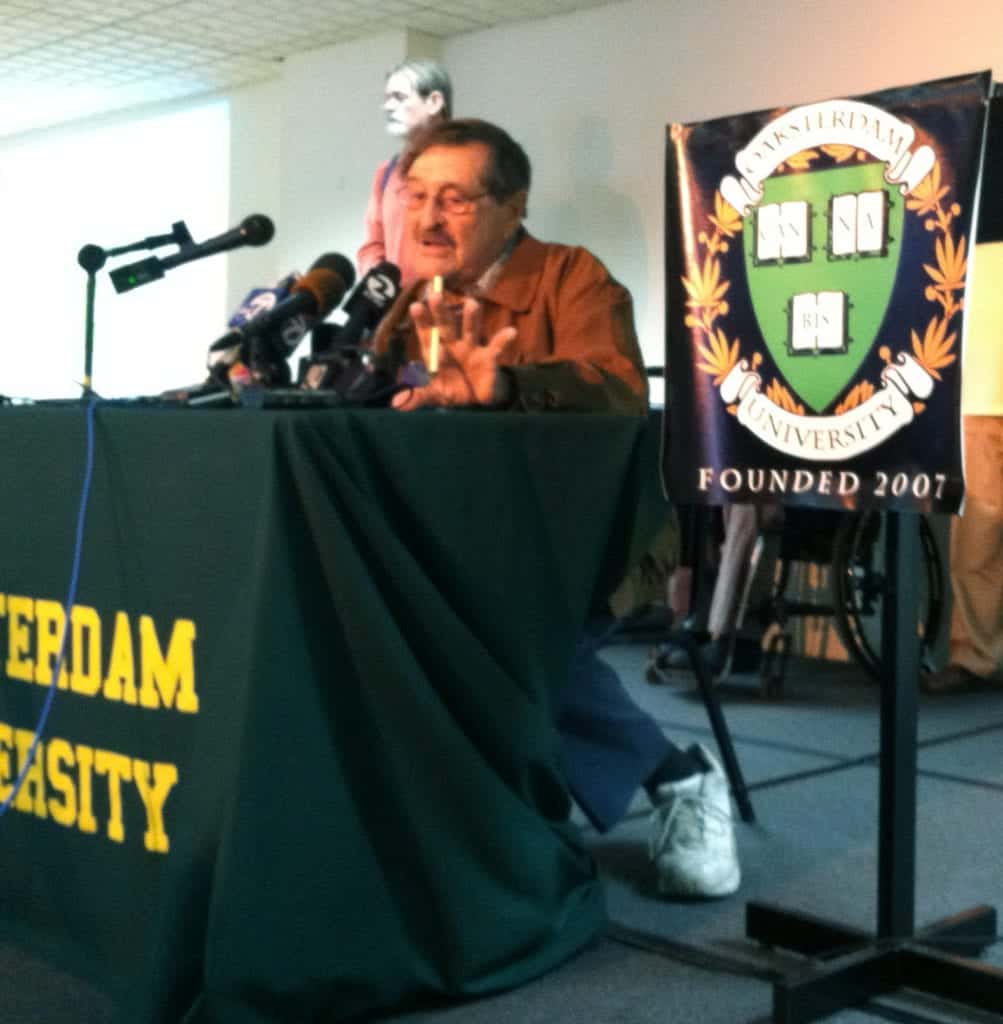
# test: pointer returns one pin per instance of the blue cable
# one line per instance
(70, 600)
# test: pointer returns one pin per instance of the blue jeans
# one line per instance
(610, 746)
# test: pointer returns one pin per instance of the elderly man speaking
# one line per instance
(499, 319)
(519, 322)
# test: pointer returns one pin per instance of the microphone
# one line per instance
(259, 300)
(273, 334)
(257, 229)
(335, 358)
(366, 306)
(254, 230)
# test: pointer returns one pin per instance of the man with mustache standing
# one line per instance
(499, 319)
(417, 92)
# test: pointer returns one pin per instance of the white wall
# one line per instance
(255, 184)
(590, 95)
(109, 183)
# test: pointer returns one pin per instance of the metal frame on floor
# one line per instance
(856, 966)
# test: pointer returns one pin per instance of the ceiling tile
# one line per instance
(86, 57)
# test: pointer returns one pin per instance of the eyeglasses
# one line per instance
(452, 200)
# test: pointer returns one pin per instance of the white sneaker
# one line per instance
(692, 840)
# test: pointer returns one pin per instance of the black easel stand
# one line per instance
(685, 638)
(858, 966)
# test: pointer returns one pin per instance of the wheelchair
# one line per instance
(847, 548)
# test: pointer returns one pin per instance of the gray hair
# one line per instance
(429, 76)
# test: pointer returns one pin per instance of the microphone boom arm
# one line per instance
(254, 230)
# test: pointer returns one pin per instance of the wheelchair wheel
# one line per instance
(859, 585)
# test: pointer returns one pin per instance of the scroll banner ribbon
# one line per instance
(840, 122)
(829, 438)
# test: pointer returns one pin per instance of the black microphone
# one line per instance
(254, 230)
(312, 297)
(343, 364)
(369, 302)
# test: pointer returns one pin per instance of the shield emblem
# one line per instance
(821, 252)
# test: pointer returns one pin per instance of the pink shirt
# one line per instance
(385, 227)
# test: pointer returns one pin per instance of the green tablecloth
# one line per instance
(302, 766)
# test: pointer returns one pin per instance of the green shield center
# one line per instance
(821, 251)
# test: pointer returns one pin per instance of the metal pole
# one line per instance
(900, 652)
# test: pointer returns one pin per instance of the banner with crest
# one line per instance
(816, 259)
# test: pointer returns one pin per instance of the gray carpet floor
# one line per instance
(810, 761)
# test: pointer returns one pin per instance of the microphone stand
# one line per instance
(91, 259)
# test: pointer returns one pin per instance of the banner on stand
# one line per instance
(816, 261)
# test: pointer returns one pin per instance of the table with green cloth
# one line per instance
(299, 762)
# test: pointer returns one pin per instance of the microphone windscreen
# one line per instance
(325, 286)
(341, 266)
(257, 229)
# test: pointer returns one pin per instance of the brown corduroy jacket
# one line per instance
(576, 347)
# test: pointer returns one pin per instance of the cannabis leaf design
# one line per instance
(948, 275)
(933, 352)
(926, 196)
(720, 357)
(779, 395)
(725, 217)
(841, 153)
(858, 394)
(706, 295)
